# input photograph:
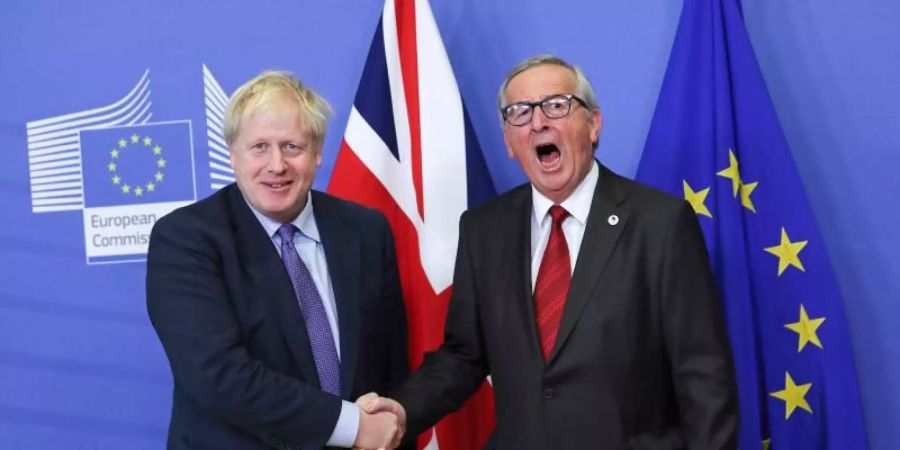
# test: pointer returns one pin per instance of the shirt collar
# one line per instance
(305, 221)
(578, 204)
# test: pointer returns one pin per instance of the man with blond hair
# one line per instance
(277, 304)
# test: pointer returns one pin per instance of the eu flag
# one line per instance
(137, 164)
(715, 139)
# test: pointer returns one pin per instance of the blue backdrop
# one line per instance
(80, 365)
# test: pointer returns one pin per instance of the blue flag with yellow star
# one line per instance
(715, 139)
(137, 164)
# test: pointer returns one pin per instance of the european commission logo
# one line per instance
(121, 170)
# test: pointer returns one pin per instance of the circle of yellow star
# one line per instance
(112, 167)
(794, 396)
(806, 330)
(788, 253)
(696, 199)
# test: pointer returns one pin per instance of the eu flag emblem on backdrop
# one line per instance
(137, 164)
(715, 139)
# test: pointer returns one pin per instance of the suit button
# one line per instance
(549, 393)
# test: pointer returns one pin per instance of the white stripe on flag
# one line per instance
(443, 150)
(375, 154)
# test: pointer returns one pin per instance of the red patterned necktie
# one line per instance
(552, 284)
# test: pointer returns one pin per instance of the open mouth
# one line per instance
(549, 156)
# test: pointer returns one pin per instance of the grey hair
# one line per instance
(583, 88)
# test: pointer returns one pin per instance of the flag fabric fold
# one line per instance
(715, 140)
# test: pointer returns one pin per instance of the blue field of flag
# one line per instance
(137, 164)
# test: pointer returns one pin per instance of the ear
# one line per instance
(596, 125)
(509, 150)
(319, 154)
(231, 155)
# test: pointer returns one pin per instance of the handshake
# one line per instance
(382, 423)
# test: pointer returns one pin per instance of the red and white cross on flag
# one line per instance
(410, 151)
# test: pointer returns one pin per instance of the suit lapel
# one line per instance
(271, 283)
(520, 229)
(342, 253)
(605, 223)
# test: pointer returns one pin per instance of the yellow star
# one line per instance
(767, 443)
(116, 179)
(111, 167)
(806, 329)
(696, 199)
(138, 191)
(746, 190)
(788, 253)
(159, 176)
(126, 189)
(732, 172)
(122, 143)
(151, 187)
(114, 153)
(794, 396)
(147, 141)
(135, 138)
(161, 163)
(157, 150)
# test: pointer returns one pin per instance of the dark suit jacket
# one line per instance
(641, 359)
(223, 305)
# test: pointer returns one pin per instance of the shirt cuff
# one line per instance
(347, 426)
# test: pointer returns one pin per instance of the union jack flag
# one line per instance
(409, 150)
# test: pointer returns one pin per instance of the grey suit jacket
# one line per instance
(641, 360)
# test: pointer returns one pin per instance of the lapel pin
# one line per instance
(613, 219)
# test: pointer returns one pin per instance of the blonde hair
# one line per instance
(265, 89)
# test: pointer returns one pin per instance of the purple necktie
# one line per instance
(320, 338)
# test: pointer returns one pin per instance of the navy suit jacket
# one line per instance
(641, 360)
(223, 306)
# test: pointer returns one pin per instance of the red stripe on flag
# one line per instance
(470, 427)
(425, 308)
(405, 10)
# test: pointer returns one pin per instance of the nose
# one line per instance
(538, 119)
(276, 162)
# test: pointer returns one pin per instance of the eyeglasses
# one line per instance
(554, 107)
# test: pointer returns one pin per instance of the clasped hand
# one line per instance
(382, 423)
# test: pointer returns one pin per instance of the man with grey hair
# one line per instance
(277, 304)
(587, 297)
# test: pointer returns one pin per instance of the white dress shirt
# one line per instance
(578, 205)
(312, 252)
